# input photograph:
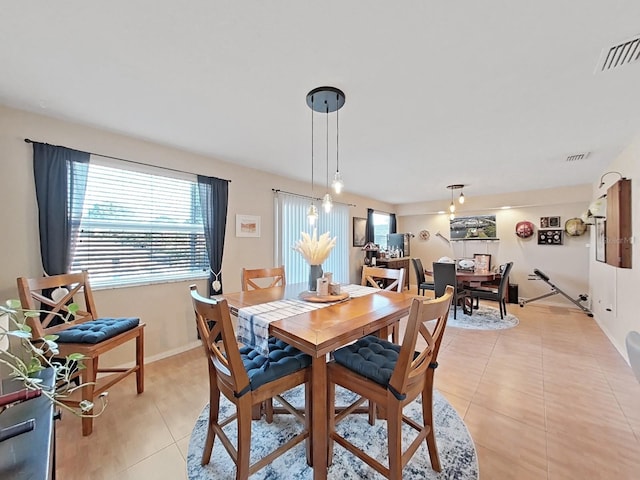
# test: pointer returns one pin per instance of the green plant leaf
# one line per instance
(73, 308)
(74, 357)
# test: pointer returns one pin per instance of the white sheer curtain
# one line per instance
(291, 219)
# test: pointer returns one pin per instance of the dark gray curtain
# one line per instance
(370, 234)
(60, 175)
(392, 223)
(214, 199)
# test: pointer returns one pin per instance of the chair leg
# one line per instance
(89, 379)
(140, 361)
(394, 425)
(268, 410)
(244, 437)
(395, 332)
(427, 416)
(214, 409)
(307, 422)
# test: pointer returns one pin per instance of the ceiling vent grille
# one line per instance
(578, 156)
(621, 54)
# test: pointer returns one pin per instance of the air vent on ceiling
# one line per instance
(577, 156)
(621, 54)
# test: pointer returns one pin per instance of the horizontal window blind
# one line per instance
(139, 227)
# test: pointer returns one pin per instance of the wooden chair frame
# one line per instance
(370, 277)
(31, 291)
(227, 375)
(413, 375)
(276, 273)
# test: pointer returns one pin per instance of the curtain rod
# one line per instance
(275, 190)
(28, 140)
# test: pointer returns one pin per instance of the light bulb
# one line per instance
(461, 199)
(312, 214)
(452, 207)
(452, 216)
(337, 183)
(326, 202)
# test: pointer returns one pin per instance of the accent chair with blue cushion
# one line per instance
(85, 333)
(392, 376)
(247, 378)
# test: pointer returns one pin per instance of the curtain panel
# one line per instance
(214, 200)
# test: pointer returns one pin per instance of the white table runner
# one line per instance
(253, 322)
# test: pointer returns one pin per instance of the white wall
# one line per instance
(617, 288)
(567, 265)
(165, 308)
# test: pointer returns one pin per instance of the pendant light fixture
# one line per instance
(337, 183)
(326, 100)
(452, 205)
(312, 212)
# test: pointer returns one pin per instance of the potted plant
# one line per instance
(28, 357)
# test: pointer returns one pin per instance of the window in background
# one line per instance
(380, 229)
(139, 226)
(291, 220)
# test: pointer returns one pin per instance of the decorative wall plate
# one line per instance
(524, 229)
(575, 227)
(424, 234)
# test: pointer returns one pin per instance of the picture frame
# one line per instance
(601, 252)
(482, 262)
(359, 231)
(550, 222)
(550, 237)
(247, 226)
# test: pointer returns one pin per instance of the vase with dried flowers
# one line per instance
(315, 251)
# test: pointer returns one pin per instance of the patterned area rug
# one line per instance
(484, 318)
(456, 448)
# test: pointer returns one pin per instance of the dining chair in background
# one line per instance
(497, 294)
(86, 333)
(421, 279)
(385, 279)
(444, 274)
(241, 375)
(392, 376)
(275, 278)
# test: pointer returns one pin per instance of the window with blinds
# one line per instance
(139, 227)
(291, 220)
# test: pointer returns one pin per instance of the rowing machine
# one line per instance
(554, 291)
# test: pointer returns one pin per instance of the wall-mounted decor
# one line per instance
(359, 231)
(424, 234)
(575, 227)
(549, 222)
(601, 254)
(479, 227)
(524, 229)
(549, 237)
(247, 226)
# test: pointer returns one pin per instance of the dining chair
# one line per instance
(498, 294)
(444, 274)
(421, 280)
(392, 376)
(247, 378)
(275, 278)
(85, 333)
(378, 277)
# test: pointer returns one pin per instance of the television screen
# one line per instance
(478, 227)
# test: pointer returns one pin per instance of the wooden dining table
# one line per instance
(322, 331)
(475, 279)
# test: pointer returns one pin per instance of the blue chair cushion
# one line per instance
(283, 360)
(372, 357)
(96, 331)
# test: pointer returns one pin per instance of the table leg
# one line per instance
(319, 426)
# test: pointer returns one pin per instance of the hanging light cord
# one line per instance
(312, 99)
(337, 132)
(327, 108)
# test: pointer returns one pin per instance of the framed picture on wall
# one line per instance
(247, 226)
(359, 231)
(601, 254)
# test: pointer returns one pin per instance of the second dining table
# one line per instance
(321, 331)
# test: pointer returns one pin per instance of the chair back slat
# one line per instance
(418, 268)
(214, 325)
(410, 369)
(35, 294)
(371, 275)
(275, 274)
(504, 280)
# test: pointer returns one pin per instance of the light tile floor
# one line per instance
(550, 399)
